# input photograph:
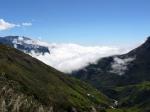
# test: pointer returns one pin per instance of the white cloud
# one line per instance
(26, 24)
(6, 25)
(70, 57)
(119, 66)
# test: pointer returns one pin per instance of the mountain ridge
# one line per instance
(24, 44)
(133, 58)
(31, 80)
(129, 71)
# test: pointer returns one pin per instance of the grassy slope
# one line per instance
(134, 93)
(46, 84)
(133, 98)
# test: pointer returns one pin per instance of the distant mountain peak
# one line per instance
(129, 68)
(148, 38)
(147, 41)
(24, 44)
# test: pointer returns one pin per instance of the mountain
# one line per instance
(32, 85)
(128, 71)
(28, 85)
(119, 70)
(24, 44)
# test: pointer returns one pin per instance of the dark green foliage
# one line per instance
(135, 95)
(133, 98)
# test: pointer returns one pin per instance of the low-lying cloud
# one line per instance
(71, 57)
(119, 66)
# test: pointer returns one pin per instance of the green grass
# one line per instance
(46, 84)
(136, 97)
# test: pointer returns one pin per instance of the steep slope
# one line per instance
(28, 85)
(124, 77)
(119, 70)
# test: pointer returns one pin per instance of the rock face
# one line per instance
(28, 85)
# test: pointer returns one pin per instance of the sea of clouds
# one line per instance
(70, 57)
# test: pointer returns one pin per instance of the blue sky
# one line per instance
(89, 22)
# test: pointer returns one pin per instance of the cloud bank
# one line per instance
(71, 57)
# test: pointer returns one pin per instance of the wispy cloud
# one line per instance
(4, 25)
(119, 66)
(26, 24)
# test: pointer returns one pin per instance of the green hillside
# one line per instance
(28, 85)
(126, 81)
(133, 98)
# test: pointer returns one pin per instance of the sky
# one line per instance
(87, 22)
